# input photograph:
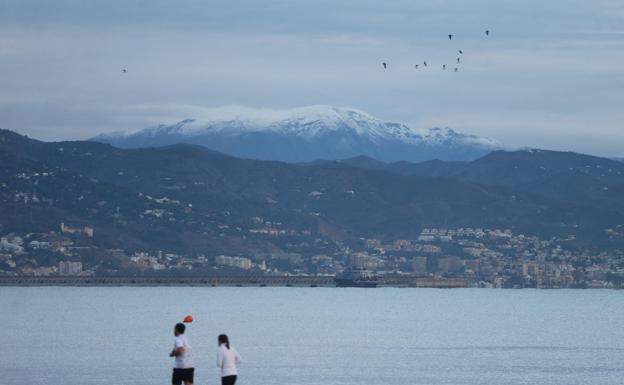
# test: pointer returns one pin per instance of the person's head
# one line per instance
(223, 339)
(179, 329)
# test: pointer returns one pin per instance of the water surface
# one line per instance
(313, 336)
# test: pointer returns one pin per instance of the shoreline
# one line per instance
(228, 281)
(257, 281)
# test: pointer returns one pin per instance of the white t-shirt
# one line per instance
(184, 360)
(227, 360)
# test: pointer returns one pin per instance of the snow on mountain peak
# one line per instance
(309, 123)
(440, 136)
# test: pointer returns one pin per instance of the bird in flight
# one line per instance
(458, 60)
(461, 52)
(384, 64)
(456, 69)
(450, 37)
(416, 66)
(123, 71)
(487, 32)
(443, 66)
(425, 63)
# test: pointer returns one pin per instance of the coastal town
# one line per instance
(463, 257)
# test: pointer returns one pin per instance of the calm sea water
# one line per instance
(314, 336)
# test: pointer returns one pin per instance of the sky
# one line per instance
(550, 75)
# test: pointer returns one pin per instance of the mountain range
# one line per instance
(566, 176)
(307, 134)
(186, 198)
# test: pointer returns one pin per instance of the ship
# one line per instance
(356, 278)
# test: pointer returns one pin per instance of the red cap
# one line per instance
(188, 319)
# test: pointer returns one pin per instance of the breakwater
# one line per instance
(260, 281)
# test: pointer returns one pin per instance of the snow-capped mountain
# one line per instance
(306, 134)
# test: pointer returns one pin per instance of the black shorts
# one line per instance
(180, 375)
(228, 380)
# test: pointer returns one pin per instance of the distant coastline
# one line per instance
(257, 281)
(239, 281)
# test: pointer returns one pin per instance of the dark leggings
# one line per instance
(228, 380)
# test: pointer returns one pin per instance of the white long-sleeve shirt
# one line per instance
(227, 360)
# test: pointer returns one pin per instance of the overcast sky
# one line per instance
(550, 75)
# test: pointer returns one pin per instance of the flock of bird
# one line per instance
(458, 60)
(416, 66)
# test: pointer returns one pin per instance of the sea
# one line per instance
(314, 336)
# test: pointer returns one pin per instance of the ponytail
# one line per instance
(223, 339)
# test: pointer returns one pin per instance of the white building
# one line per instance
(241, 263)
(87, 230)
(12, 245)
(70, 268)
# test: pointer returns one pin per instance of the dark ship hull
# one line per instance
(354, 283)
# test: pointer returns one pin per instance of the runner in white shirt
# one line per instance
(183, 367)
(227, 360)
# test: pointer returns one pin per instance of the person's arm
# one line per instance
(237, 357)
(219, 358)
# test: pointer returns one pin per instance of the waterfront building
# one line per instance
(70, 268)
(241, 263)
(419, 265)
(449, 264)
